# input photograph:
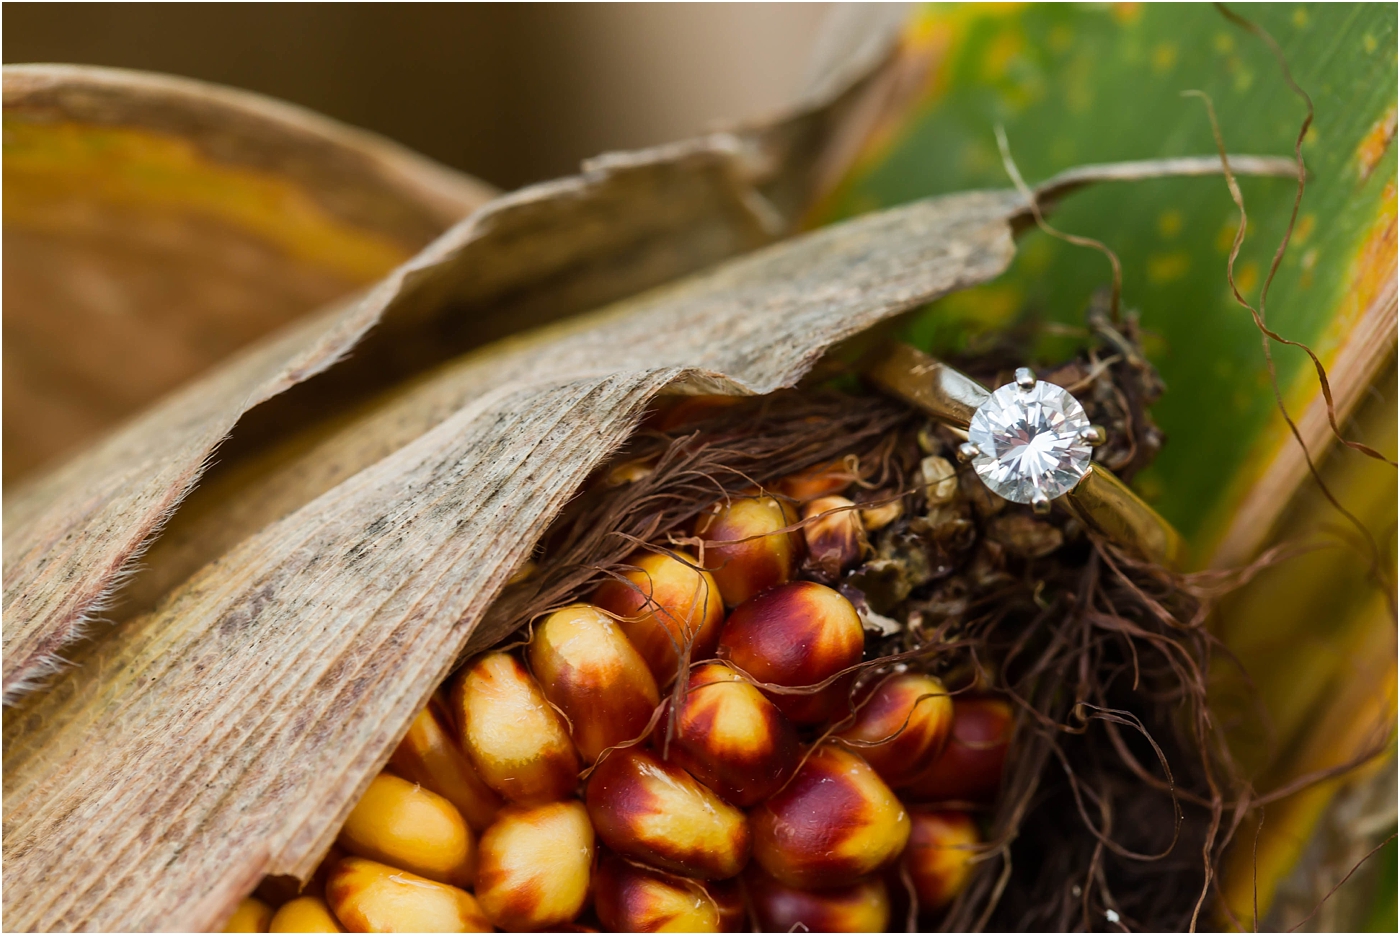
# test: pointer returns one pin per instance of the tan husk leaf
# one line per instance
(154, 225)
(631, 221)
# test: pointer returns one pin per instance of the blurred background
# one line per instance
(509, 92)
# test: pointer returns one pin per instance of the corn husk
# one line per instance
(154, 225)
(331, 571)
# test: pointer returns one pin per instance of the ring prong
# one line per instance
(1040, 504)
(967, 451)
(1094, 435)
(1025, 379)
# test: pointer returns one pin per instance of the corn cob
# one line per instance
(824, 839)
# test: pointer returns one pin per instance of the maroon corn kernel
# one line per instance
(655, 812)
(797, 634)
(835, 821)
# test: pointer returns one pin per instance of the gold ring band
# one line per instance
(1099, 499)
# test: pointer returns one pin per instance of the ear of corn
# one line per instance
(738, 808)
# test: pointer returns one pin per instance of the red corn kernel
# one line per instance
(835, 821)
(742, 564)
(939, 856)
(970, 766)
(663, 601)
(863, 906)
(655, 812)
(795, 635)
(907, 718)
(590, 670)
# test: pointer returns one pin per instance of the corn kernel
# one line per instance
(907, 717)
(795, 635)
(305, 914)
(535, 866)
(744, 568)
(732, 738)
(863, 906)
(400, 823)
(367, 896)
(939, 857)
(834, 535)
(729, 897)
(822, 480)
(589, 669)
(940, 480)
(429, 756)
(663, 601)
(657, 813)
(252, 915)
(632, 898)
(970, 766)
(517, 742)
(880, 516)
(835, 821)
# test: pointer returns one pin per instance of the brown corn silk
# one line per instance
(306, 600)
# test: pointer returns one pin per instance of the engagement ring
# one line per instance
(1030, 442)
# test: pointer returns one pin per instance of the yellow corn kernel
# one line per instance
(367, 896)
(821, 480)
(401, 823)
(590, 670)
(252, 915)
(535, 866)
(429, 756)
(657, 813)
(835, 821)
(305, 914)
(517, 742)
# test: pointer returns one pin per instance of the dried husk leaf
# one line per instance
(631, 221)
(153, 225)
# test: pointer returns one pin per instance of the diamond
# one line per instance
(1030, 439)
